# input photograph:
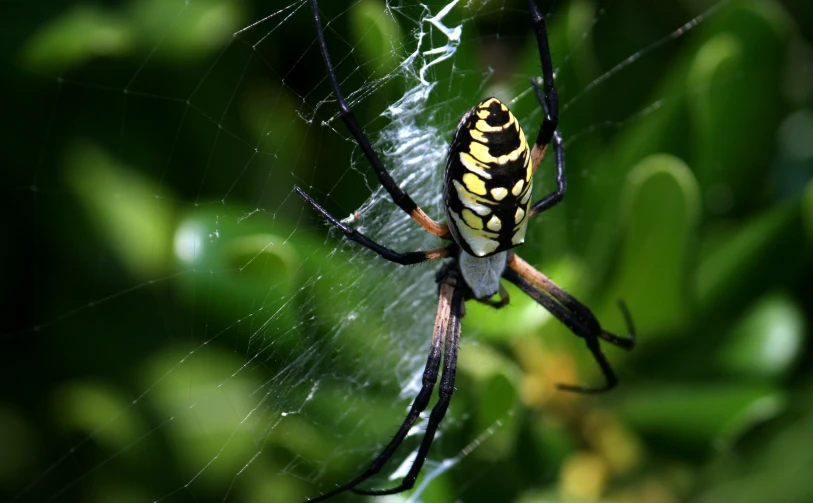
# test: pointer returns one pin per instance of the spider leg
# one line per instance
(578, 309)
(451, 338)
(549, 100)
(497, 304)
(399, 196)
(573, 314)
(447, 321)
(558, 195)
(386, 253)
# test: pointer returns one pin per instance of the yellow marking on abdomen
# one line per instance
(483, 126)
(473, 165)
(499, 193)
(519, 236)
(481, 242)
(470, 200)
(527, 195)
(494, 224)
(517, 190)
(472, 220)
(519, 215)
(474, 184)
(487, 103)
(483, 154)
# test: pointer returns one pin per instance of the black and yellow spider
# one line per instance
(487, 195)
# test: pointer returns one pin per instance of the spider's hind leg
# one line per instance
(574, 315)
(445, 345)
(447, 327)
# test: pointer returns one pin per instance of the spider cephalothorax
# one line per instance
(487, 195)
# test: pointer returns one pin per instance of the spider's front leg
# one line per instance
(549, 101)
(398, 195)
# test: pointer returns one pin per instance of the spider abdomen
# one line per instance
(488, 180)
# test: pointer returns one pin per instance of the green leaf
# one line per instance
(272, 115)
(778, 472)
(700, 414)
(207, 403)
(239, 260)
(377, 34)
(662, 209)
(128, 210)
(766, 340)
(733, 86)
(496, 395)
(756, 256)
(179, 30)
(807, 213)
(18, 457)
(99, 410)
(82, 33)
(718, 60)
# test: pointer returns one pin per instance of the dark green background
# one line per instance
(269, 367)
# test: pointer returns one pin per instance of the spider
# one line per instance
(487, 197)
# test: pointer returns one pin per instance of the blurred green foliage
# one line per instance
(168, 302)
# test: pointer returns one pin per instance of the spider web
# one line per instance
(261, 350)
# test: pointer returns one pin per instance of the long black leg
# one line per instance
(558, 195)
(449, 300)
(399, 196)
(445, 391)
(577, 309)
(386, 253)
(549, 100)
(575, 326)
(574, 315)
